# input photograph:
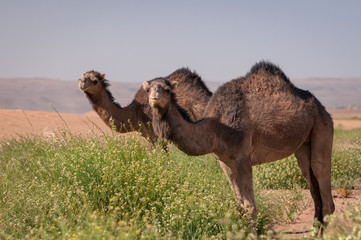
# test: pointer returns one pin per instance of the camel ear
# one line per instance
(146, 86)
(173, 84)
(82, 75)
(102, 76)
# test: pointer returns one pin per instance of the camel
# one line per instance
(259, 118)
(137, 115)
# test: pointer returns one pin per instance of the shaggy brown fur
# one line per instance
(255, 119)
(137, 115)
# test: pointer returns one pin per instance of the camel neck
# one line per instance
(192, 138)
(112, 113)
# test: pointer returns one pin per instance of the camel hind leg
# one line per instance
(321, 153)
(303, 155)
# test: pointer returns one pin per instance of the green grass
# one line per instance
(352, 137)
(346, 159)
(354, 118)
(119, 188)
(112, 188)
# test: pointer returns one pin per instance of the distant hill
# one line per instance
(333, 92)
(36, 94)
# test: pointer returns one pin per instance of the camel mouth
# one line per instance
(83, 86)
(154, 100)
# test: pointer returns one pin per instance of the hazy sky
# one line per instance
(141, 40)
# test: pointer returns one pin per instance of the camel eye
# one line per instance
(95, 81)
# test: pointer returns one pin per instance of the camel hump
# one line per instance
(189, 80)
(265, 67)
(181, 71)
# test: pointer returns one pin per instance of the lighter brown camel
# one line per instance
(255, 119)
(137, 115)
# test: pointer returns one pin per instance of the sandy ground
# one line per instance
(15, 123)
(300, 228)
(19, 122)
(346, 113)
(346, 118)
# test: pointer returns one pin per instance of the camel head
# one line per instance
(91, 82)
(159, 92)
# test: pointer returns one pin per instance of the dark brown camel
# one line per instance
(255, 119)
(192, 94)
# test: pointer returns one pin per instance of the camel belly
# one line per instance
(264, 156)
(267, 150)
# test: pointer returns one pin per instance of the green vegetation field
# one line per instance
(120, 188)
